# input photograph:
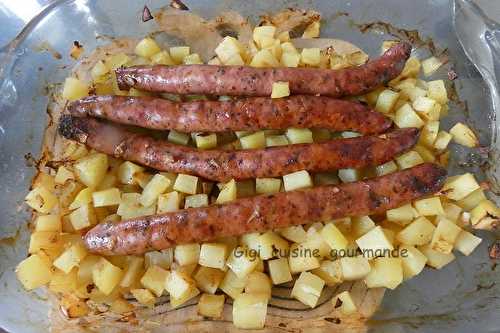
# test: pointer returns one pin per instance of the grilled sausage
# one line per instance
(223, 165)
(265, 212)
(246, 114)
(250, 81)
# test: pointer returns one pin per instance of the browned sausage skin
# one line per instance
(250, 81)
(223, 165)
(247, 114)
(265, 212)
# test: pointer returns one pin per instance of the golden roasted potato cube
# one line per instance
(316, 243)
(413, 261)
(307, 289)
(373, 241)
(289, 59)
(267, 185)
(117, 60)
(85, 268)
(443, 138)
(196, 200)
(176, 302)
(354, 268)
(163, 258)
(232, 285)
(227, 192)
(106, 276)
(208, 279)
(413, 93)
(409, 160)
(297, 180)
(407, 117)
(70, 258)
(83, 217)
(419, 232)
(386, 168)
(310, 56)
(48, 223)
(121, 306)
(264, 58)
(458, 187)
(402, 215)
(228, 48)
(429, 206)
(109, 197)
(429, 133)
(263, 32)
(249, 311)
(178, 137)
(288, 47)
(295, 233)
(147, 48)
(330, 271)
(280, 89)
(74, 89)
(271, 245)
(178, 53)
(211, 305)
(302, 258)
(162, 58)
(192, 59)
(133, 269)
(187, 254)
(169, 202)
(34, 271)
(178, 284)
(83, 198)
(423, 104)
(426, 154)
(437, 91)
(41, 200)
(386, 100)
(444, 235)
(109, 181)
(386, 272)
(435, 258)
(484, 209)
(130, 207)
(156, 186)
(464, 136)
(430, 65)
(144, 296)
(279, 270)
(472, 199)
(213, 255)
(91, 169)
(242, 261)
(466, 242)
(256, 140)
(299, 135)
(65, 283)
(126, 172)
(312, 30)
(258, 283)
(361, 225)
(333, 237)
(154, 279)
(63, 174)
(186, 184)
(344, 303)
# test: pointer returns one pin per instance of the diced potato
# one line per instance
(109, 197)
(156, 186)
(429, 206)
(413, 261)
(63, 174)
(280, 89)
(228, 48)
(169, 202)
(271, 245)
(232, 285)
(192, 59)
(85, 268)
(91, 169)
(279, 270)
(437, 91)
(484, 209)
(419, 232)
(213, 255)
(429, 133)
(45, 240)
(412, 67)
(264, 58)
(249, 311)
(154, 279)
(263, 32)
(126, 172)
(144, 296)
(312, 30)
(109, 181)
(315, 242)
(267, 185)
(307, 289)
(48, 223)
(240, 134)
(117, 60)
(295, 233)
(423, 104)
(178, 284)
(65, 283)
(403, 84)
(196, 200)
(464, 136)
(162, 58)
(241, 262)
(133, 269)
(276, 140)
(289, 59)
(401, 215)
(349, 175)
(333, 237)
(374, 241)
(214, 61)
(409, 160)
(106, 276)
(435, 258)
(186, 184)
(284, 36)
(443, 138)
(187, 254)
(302, 258)
(178, 53)
(147, 47)
(99, 70)
(330, 271)
(407, 117)
(386, 101)
(83, 198)
(121, 306)
(413, 93)
(288, 47)
(208, 279)
(466, 242)
(130, 207)
(361, 225)
(205, 140)
(163, 258)
(74, 89)
(70, 258)
(430, 65)
(472, 200)
(344, 303)
(386, 168)
(457, 188)
(310, 56)
(228, 192)
(386, 272)
(211, 305)
(299, 135)
(34, 271)
(83, 217)
(178, 137)
(354, 268)
(41, 200)
(258, 283)
(256, 140)
(297, 180)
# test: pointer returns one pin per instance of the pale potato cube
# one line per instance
(228, 48)
(126, 172)
(302, 259)
(307, 289)
(178, 284)
(162, 58)
(241, 262)
(187, 254)
(109, 197)
(34, 271)
(205, 140)
(464, 136)
(154, 279)
(423, 104)
(295, 233)
(315, 242)
(256, 140)
(144, 296)
(63, 174)
(413, 261)
(208, 279)
(407, 117)
(267, 185)
(156, 186)
(344, 303)
(330, 271)
(227, 193)
(276, 140)
(192, 59)
(249, 311)
(426, 154)
(48, 223)
(186, 184)
(271, 245)
(45, 240)
(429, 133)
(41, 200)
(213, 255)
(64, 283)
(333, 237)
(70, 258)
(444, 235)
(117, 60)
(169, 202)
(386, 168)
(83, 217)
(74, 89)
(413, 93)
(280, 89)
(299, 135)
(452, 211)
(91, 169)
(133, 269)
(472, 200)
(297, 180)
(409, 160)
(232, 285)
(354, 268)
(435, 258)
(85, 268)
(430, 65)
(386, 272)
(265, 31)
(437, 91)
(458, 187)
(402, 215)
(264, 58)
(443, 138)
(279, 270)
(83, 197)
(429, 206)
(147, 47)
(289, 59)
(211, 305)
(386, 100)
(348, 175)
(106, 276)
(130, 207)
(99, 70)
(178, 137)
(196, 200)
(310, 56)
(361, 225)
(163, 258)
(466, 242)
(484, 209)
(176, 302)
(258, 283)
(312, 30)
(419, 232)
(178, 53)
(374, 241)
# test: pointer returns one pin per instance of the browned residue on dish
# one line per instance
(46, 47)
(494, 250)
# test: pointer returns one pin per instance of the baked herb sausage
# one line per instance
(247, 114)
(223, 165)
(265, 212)
(250, 81)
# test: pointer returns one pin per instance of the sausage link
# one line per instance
(246, 114)
(223, 165)
(250, 81)
(265, 212)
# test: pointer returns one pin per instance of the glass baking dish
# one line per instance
(462, 297)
